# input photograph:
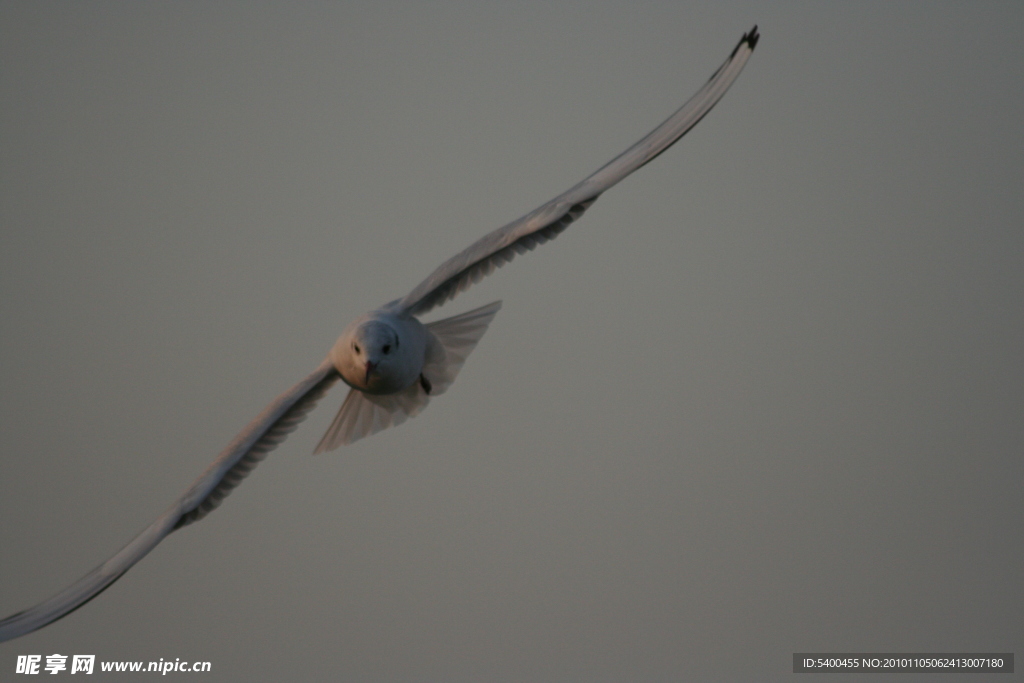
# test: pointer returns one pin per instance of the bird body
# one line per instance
(395, 364)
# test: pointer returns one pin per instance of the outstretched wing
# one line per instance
(546, 222)
(261, 436)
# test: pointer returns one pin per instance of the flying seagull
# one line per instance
(391, 361)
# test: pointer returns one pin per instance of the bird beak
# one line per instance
(370, 367)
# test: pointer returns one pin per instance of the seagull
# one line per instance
(393, 363)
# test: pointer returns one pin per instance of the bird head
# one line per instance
(368, 356)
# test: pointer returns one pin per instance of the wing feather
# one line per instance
(241, 456)
(547, 221)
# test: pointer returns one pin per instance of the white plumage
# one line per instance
(393, 363)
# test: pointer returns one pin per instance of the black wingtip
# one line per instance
(751, 37)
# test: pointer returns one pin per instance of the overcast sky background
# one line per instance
(765, 397)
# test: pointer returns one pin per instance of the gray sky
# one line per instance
(765, 397)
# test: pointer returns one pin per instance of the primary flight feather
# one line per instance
(391, 361)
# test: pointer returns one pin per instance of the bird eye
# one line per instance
(387, 348)
(356, 347)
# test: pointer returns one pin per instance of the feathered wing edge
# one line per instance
(252, 445)
(544, 223)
